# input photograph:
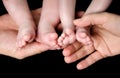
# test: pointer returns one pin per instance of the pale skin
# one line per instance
(20, 13)
(67, 15)
(53, 12)
(8, 35)
(48, 21)
(64, 11)
(105, 36)
(82, 34)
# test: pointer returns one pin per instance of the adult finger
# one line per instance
(67, 51)
(92, 19)
(79, 54)
(91, 59)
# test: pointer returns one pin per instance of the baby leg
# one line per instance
(67, 14)
(48, 20)
(19, 11)
(82, 34)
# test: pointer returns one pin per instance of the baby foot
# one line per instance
(25, 35)
(66, 38)
(48, 38)
(83, 36)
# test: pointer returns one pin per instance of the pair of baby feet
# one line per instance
(67, 37)
(52, 39)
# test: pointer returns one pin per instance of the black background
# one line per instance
(51, 63)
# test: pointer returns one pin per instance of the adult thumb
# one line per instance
(91, 19)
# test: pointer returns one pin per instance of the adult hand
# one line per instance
(8, 34)
(105, 34)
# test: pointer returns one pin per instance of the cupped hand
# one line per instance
(8, 35)
(105, 34)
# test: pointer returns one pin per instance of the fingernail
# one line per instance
(79, 67)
